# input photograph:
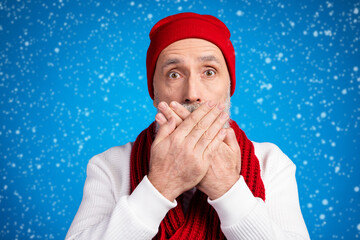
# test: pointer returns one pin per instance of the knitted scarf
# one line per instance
(201, 220)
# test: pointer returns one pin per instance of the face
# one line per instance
(191, 71)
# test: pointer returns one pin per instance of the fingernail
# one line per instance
(210, 104)
(160, 118)
(224, 115)
(173, 105)
(221, 107)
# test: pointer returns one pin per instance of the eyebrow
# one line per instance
(209, 58)
(171, 61)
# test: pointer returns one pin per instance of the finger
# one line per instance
(208, 126)
(193, 119)
(212, 147)
(169, 113)
(230, 139)
(209, 135)
(179, 109)
(160, 119)
(165, 130)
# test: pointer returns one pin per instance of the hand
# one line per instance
(225, 161)
(176, 158)
(175, 110)
(225, 166)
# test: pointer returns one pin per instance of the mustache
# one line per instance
(191, 106)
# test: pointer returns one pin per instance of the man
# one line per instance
(193, 174)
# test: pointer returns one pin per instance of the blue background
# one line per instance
(73, 84)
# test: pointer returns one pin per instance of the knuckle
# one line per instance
(207, 135)
(200, 126)
(215, 111)
(168, 112)
(211, 149)
(193, 118)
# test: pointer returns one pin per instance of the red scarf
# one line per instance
(201, 220)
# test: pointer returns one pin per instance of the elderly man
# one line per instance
(193, 173)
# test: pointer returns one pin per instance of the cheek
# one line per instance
(219, 90)
(167, 92)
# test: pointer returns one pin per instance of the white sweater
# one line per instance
(109, 211)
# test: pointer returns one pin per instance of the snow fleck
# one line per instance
(328, 33)
(267, 86)
(267, 60)
(315, 33)
(356, 189)
(239, 13)
(57, 50)
(274, 116)
(325, 202)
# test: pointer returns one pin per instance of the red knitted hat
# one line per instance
(189, 25)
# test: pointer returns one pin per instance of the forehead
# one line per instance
(191, 47)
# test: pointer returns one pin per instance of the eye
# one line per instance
(174, 75)
(209, 73)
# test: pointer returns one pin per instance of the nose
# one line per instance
(192, 92)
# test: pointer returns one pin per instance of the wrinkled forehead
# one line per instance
(197, 48)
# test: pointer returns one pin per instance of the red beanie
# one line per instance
(189, 25)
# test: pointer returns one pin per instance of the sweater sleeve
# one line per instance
(243, 216)
(102, 216)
